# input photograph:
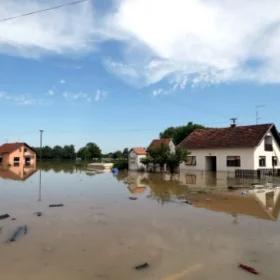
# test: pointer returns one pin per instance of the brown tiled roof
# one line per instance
(10, 147)
(229, 137)
(157, 143)
(139, 151)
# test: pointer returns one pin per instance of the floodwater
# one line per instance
(100, 233)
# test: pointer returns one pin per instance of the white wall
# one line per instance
(134, 161)
(246, 157)
(259, 151)
(172, 147)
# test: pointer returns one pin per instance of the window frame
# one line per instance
(192, 161)
(274, 158)
(236, 162)
(262, 158)
(268, 144)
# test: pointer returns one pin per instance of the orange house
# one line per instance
(17, 154)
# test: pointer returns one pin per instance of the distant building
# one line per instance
(164, 142)
(134, 158)
(17, 154)
(252, 147)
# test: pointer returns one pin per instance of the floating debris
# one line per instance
(20, 231)
(188, 202)
(5, 216)
(133, 198)
(38, 214)
(249, 269)
(56, 205)
(142, 266)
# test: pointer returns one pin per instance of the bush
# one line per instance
(121, 164)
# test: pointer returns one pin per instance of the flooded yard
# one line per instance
(189, 226)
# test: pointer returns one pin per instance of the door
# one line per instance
(211, 163)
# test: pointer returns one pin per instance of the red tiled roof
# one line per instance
(139, 151)
(157, 143)
(10, 147)
(229, 137)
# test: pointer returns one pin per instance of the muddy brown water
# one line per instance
(100, 233)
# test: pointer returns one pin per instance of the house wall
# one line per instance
(246, 157)
(8, 159)
(134, 161)
(260, 151)
(172, 147)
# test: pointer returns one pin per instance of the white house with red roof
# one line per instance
(247, 148)
(134, 158)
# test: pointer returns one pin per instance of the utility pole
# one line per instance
(40, 170)
(41, 141)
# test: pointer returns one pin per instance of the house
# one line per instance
(134, 158)
(252, 147)
(17, 154)
(164, 142)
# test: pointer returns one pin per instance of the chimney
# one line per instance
(233, 124)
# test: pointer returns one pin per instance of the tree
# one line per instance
(125, 152)
(179, 133)
(68, 152)
(174, 160)
(89, 152)
(160, 155)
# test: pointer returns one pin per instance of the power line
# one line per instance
(44, 10)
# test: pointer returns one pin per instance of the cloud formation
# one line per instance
(185, 42)
(204, 41)
(19, 99)
(64, 30)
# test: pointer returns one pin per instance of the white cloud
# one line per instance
(62, 81)
(159, 92)
(99, 95)
(63, 30)
(185, 41)
(202, 41)
(51, 92)
(20, 99)
(84, 97)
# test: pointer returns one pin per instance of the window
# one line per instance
(233, 161)
(274, 161)
(16, 161)
(262, 161)
(191, 160)
(268, 143)
(25, 150)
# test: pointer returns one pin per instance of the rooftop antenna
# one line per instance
(258, 107)
(233, 124)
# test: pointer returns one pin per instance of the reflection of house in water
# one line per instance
(135, 184)
(17, 154)
(17, 172)
(269, 200)
(197, 188)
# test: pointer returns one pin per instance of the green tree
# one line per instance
(159, 155)
(174, 160)
(68, 152)
(179, 133)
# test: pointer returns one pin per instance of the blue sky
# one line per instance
(119, 72)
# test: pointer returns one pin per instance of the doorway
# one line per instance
(211, 163)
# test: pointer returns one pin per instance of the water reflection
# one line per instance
(20, 172)
(208, 191)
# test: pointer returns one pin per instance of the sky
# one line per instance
(118, 72)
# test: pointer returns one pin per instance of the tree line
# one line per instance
(67, 152)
